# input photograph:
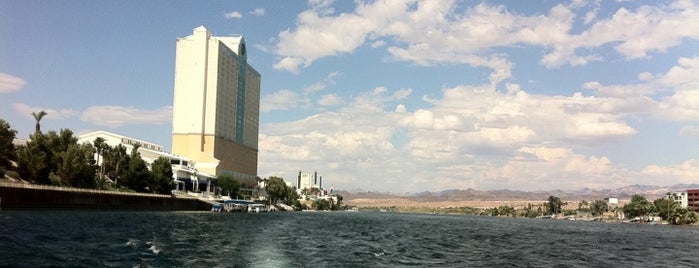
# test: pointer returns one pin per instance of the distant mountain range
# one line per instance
(649, 191)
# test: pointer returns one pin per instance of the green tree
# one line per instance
(277, 190)
(38, 116)
(76, 166)
(100, 146)
(338, 205)
(115, 162)
(290, 195)
(584, 205)
(665, 207)
(530, 212)
(554, 205)
(507, 211)
(33, 160)
(321, 204)
(598, 207)
(683, 216)
(136, 175)
(8, 152)
(229, 185)
(59, 142)
(161, 181)
(637, 207)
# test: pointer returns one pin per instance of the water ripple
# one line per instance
(197, 239)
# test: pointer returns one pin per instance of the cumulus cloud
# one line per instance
(10, 83)
(484, 136)
(116, 116)
(436, 32)
(685, 172)
(645, 29)
(471, 136)
(233, 15)
(681, 80)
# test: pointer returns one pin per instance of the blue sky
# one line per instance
(396, 96)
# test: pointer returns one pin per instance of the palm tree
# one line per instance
(38, 117)
(120, 157)
(100, 144)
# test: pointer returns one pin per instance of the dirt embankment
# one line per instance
(402, 202)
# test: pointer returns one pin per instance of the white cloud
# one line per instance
(330, 100)
(481, 136)
(10, 83)
(378, 43)
(321, 85)
(109, 116)
(116, 116)
(56, 114)
(590, 16)
(685, 172)
(290, 64)
(552, 118)
(233, 15)
(283, 100)
(376, 100)
(682, 104)
(432, 32)
(644, 30)
(470, 137)
(258, 12)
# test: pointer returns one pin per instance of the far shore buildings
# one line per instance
(215, 119)
(309, 181)
(693, 199)
(688, 199)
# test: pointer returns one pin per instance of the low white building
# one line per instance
(186, 177)
(612, 201)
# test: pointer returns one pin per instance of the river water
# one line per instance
(332, 239)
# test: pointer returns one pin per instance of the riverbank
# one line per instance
(20, 196)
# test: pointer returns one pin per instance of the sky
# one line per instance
(390, 96)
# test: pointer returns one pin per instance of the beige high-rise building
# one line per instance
(216, 106)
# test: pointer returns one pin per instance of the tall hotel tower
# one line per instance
(216, 106)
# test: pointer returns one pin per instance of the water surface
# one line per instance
(332, 239)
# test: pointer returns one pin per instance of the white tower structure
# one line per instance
(216, 104)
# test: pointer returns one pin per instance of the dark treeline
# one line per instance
(56, 158)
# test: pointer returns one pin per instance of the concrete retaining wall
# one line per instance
(24, 196)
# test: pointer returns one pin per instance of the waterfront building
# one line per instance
(693, 199)
(612, 201)
(186, 177)
(679, 198)
(215, 119)
(309, 180)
